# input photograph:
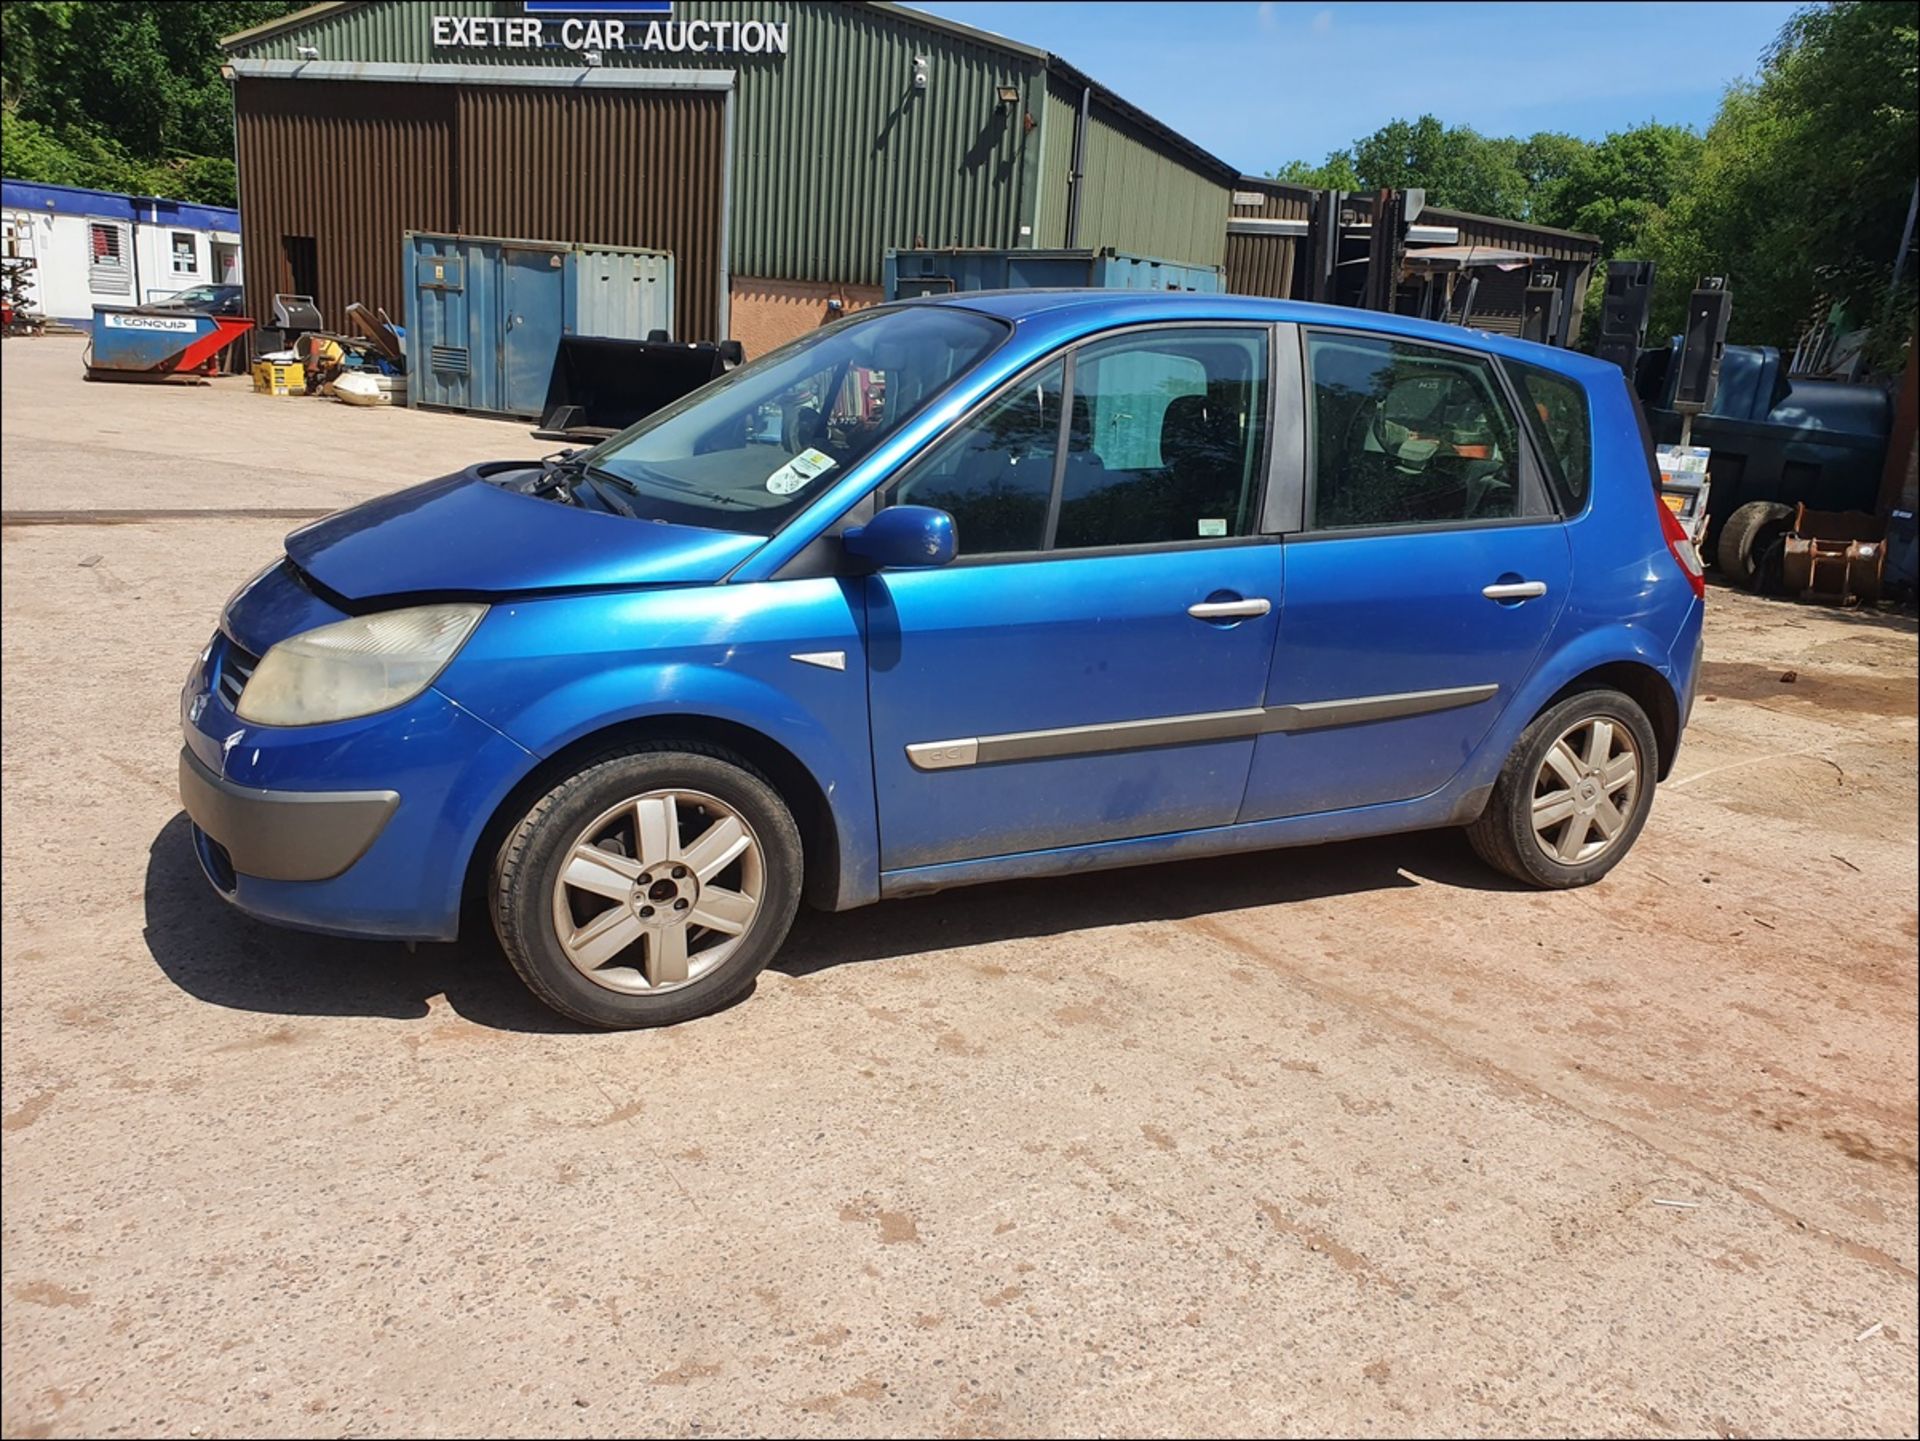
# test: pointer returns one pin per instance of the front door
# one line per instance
(1421, 591)
(1092, 667)
(531, 302)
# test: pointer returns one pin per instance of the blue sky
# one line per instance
(1259, 84)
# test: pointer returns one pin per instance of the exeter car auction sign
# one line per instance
(642, 25)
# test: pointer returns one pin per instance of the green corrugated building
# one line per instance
(777, 149)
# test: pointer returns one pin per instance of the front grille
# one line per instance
(236, 669)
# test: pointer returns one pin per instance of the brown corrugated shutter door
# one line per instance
(352, 166)
(603, 167)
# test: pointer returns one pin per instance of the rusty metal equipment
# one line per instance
(1838, 556)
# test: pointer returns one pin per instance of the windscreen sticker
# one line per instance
(807, 466)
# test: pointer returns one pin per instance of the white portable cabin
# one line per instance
(95, 247)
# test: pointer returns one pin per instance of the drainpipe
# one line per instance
(1079, 178)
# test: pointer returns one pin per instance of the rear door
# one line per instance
(1091, 667)
(1420, 591)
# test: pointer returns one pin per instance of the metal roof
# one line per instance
(1362, 199)
(40, 196)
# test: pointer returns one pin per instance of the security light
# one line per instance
(1007, 94)
(308, 52)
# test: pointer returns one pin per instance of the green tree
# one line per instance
(1615, 187)
(126, 94)
(1800, 190)
(1459, 168)
(1336, 173)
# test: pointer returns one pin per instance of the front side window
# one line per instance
(1560, 407)
(1408, 435)
(1165, 438)
(748, 451)
(994, 475)
(1165, 442)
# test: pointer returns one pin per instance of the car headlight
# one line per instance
(355, 667)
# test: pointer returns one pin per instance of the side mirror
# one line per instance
(903, 537)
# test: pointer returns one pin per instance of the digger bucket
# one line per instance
(1839, 556)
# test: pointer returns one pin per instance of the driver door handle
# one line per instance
(1229, 609)
(1515, 590)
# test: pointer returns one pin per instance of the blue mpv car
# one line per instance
(992, 586)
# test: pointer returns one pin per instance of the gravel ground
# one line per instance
(1349, 1139)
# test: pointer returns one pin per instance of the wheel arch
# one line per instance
(1646, 687)
(820, 838)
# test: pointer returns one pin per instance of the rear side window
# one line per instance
(1408, 435)
(1558, 408)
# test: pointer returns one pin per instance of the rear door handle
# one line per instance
(1515, 590)
(1229, 609)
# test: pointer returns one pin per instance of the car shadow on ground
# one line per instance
(1171, 891)
(219, 955)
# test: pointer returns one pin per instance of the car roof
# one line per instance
(1071, 310)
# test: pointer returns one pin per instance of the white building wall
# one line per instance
(68, 282)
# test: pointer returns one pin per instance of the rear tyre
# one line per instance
(1746, 537)
(650, 888)
(1574, 794)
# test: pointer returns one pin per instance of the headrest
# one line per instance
(1188, 422)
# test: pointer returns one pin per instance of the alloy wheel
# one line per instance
(657, 891)
(1585, 790)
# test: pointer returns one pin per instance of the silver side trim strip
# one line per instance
(825, 659)
(1319, 714)
(1188, 729)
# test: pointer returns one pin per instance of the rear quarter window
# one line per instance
(1557, 410)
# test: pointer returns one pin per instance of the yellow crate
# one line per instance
(271, 378)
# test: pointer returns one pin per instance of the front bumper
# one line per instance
(283, 835)
(354, 828)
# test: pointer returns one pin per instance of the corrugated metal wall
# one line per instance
(355, 165)
(321, 159)
(1263, 264)
(1140, 199)
(1055, 176)
(604, 167)
(1260, 265)
(837, 156)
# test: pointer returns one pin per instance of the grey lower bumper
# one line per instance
(284, 835)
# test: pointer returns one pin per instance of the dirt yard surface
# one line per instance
(1355, 1139)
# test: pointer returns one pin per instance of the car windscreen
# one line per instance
(748, 451)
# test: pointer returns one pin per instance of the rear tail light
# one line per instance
(1681, 544)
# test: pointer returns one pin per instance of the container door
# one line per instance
(531, 301)
(438, 341)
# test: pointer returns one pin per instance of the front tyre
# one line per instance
(1574, 795)
(650, 888)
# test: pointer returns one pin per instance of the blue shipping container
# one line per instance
(486, 316)
(909, 273)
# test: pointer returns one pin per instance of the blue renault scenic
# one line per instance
(993, 586)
